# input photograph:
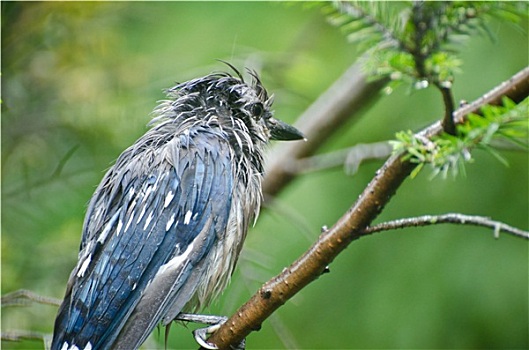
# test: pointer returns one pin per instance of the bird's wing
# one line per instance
(155, 216)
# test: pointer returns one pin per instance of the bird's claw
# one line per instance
(202, 333)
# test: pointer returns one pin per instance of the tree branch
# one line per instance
(349, 227)
(451, 218)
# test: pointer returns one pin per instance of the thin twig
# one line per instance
(24, 297)
(450, 218)
(19, 335)
(350, 158)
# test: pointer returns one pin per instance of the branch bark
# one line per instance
(351, 226)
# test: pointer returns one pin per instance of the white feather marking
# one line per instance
(64, 346)
(141, 215)
(168, 199)
(147, 192)
(239, 141)
(176, 261)
(88, 346)
(74, 347)
(84, 266)
(97, 215)
(120, 226)
(129, 222)
(170, 222)
(131, 192)
(187, 218)
(148, 284)
(134, 286)
(103, 236)
(148, 221)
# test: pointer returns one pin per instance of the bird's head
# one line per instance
(230, 103)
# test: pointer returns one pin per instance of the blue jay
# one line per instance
(165, 226)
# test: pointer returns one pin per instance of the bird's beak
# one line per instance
(282, 131)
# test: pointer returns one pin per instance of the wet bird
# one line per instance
(165, 226)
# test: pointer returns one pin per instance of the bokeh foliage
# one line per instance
(79, 82)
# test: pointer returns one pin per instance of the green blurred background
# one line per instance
(79, 82)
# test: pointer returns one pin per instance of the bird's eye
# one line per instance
(257, 109)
